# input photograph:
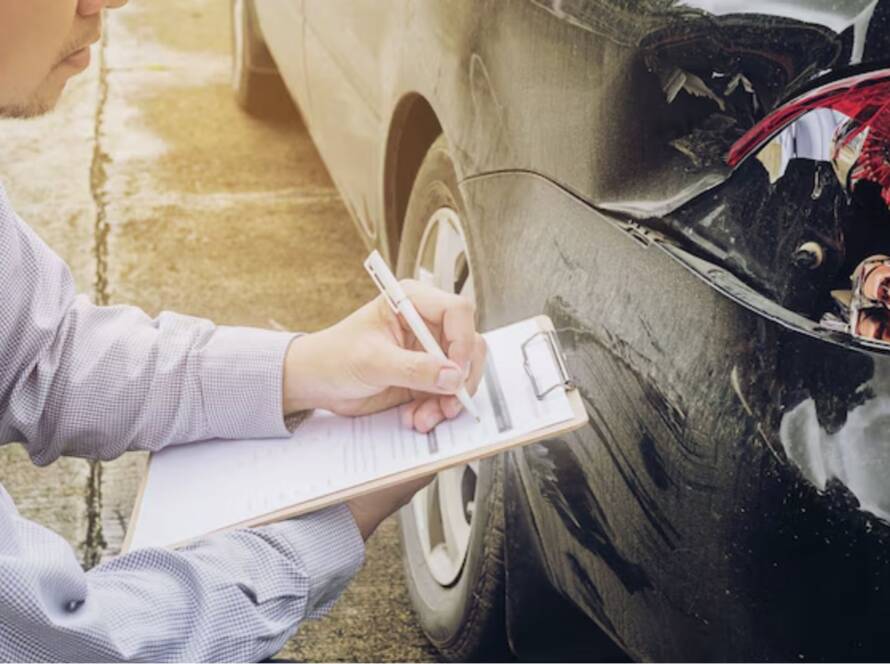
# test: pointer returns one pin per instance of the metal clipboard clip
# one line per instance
(558, 359)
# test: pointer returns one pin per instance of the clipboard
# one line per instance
(544, 336)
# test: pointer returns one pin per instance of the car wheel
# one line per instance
(256, 83)
(453, 530)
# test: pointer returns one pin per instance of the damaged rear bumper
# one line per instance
(728, 499)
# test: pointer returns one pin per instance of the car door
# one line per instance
(349, 44)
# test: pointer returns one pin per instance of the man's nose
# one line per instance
(91, 7)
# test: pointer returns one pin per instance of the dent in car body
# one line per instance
(563, 484)
(556, 629)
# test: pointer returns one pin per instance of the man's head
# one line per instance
(43, 43)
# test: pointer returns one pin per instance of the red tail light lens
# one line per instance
(860, 140)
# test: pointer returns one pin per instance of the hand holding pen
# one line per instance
(400, 303)
(373, 360)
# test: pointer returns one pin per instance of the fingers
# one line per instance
(451, 406)
(471, 358)
(452, 318)
(423, 414)
(416, 370)
(454, 314)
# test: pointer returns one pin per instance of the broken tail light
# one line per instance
(855, 110)
(846, 124)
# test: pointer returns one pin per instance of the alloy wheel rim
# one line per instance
(443, 511)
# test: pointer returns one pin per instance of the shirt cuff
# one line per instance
(242, 381)
(337, 554)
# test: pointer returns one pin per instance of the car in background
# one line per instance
(685, 187)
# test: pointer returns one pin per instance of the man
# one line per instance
(96, 381)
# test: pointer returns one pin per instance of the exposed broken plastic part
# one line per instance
(869, 309)
(873, 279)
(864, 310)
(675, 79)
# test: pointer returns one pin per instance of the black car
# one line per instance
(696, 192)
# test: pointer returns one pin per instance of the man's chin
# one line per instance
(24, 112)
(39, 104)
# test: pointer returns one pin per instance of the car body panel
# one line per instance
(281, 24)
(694, 518)
(348, 87)
(615, 537)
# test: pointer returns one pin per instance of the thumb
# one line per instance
(417, 370)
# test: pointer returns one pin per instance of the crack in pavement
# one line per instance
(98, 180)
(94, 541)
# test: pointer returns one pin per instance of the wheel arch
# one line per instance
(414, 127)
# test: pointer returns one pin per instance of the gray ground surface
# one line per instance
(159, 192)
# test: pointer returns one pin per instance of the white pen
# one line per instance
(395, 295)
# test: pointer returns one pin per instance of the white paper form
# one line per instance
(195, 489)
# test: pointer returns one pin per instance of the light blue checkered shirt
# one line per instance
(76, 379)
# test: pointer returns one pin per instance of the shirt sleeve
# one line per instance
(92, 381)
(236, 596)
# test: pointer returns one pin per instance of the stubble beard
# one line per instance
(42, 100)
(25, 111)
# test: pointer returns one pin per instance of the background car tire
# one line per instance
(463, 620)
(256, 83)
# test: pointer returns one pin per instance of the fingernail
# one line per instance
(449, 379)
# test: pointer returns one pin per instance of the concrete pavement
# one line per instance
(160, 192)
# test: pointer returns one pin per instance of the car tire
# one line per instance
(256, 83)
(464, 619)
